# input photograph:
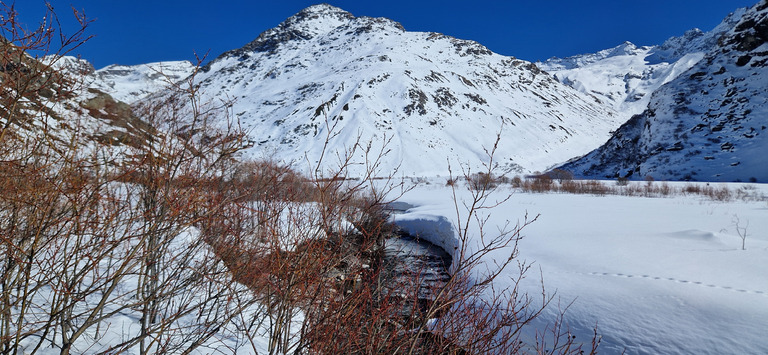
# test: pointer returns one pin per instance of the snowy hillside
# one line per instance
(131, 83)
(624, 77)
(65, 109)
(126, 83)
(437, 99)
(708, 124)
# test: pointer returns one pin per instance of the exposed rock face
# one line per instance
(436, 99)
(710, 123)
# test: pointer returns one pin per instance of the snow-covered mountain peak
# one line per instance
(126, 83)
(71, 65)
(693, 41)
(689, 41)
(627, 48)
(437, 98)
(314, 20)
(306, 24)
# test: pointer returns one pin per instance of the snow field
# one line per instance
(657, 275)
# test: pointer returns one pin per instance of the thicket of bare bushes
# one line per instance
(560, 181)
(168, 243)
(90, 237)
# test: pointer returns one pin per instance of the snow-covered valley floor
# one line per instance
(664, 275)
(657, 275)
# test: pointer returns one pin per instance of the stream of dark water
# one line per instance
(414, 264)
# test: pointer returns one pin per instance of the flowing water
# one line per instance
(414, 267)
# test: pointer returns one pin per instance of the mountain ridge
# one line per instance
(324, 73)
(626, 75)
(707, 124)
(436, 97)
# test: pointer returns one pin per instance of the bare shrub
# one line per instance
(560, 175)
(649, 179)
(719, 194)
(596, 188)
(634, 190)
(482, 180)
(692, 189)
(741, 231)
(541, 183)
(664, 189)
(517, 182)
(571, 187)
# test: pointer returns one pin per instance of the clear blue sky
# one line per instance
(141, 31)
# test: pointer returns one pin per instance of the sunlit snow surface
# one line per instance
(657, 275)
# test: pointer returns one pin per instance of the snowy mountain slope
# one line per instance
(437, 99)
(709, 124)
(53, 104)
(126, 83)
(131, 83)
(625, 76)
(620, 77)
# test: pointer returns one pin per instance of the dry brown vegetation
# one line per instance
(562, 182)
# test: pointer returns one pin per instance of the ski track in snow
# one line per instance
(671, 279)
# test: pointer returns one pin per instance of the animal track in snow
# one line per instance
(699, 283)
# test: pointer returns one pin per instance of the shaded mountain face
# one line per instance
(624, 77)
(429, 99)
(710, 123)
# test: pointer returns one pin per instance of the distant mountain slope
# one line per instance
(437, 99)
(625, 76)
(131, 83)
(127, 83)
(46, 103)
(710, 123)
